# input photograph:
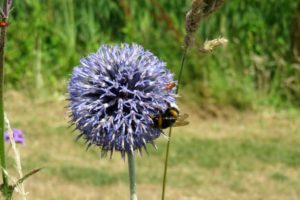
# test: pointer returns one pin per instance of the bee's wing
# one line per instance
(182, 117)
(180, 123)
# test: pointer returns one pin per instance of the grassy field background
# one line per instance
(259, 66)
(243, 99)
(238, 156)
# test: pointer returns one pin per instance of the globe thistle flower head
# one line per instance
(114, 95)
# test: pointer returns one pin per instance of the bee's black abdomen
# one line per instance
(168, 122)
(167, 119)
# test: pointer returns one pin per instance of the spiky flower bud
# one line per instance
(114, 95)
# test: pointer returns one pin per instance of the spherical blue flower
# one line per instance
(114, 95)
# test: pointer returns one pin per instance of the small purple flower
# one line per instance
(114, 95)
(17, 134)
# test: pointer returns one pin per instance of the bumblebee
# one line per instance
(170, 118)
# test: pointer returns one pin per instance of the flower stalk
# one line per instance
(132, 180)
(4, 17)
(170, 129)
(198, 11)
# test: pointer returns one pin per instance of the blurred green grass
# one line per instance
(47, 38)
(244, 156)
(209, 154)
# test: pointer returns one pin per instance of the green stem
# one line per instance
(170, 130)
(166, 166)
(131, 169)
(2, 149)
(181, 68)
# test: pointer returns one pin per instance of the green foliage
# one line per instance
(230, 154)
(47, 38)
(210, 153)
(239, 154)
(88, 175)
(277, 176)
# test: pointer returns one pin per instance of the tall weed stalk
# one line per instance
(199, 10)
(4, 20)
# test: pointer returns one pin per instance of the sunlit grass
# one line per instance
(236, 158)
